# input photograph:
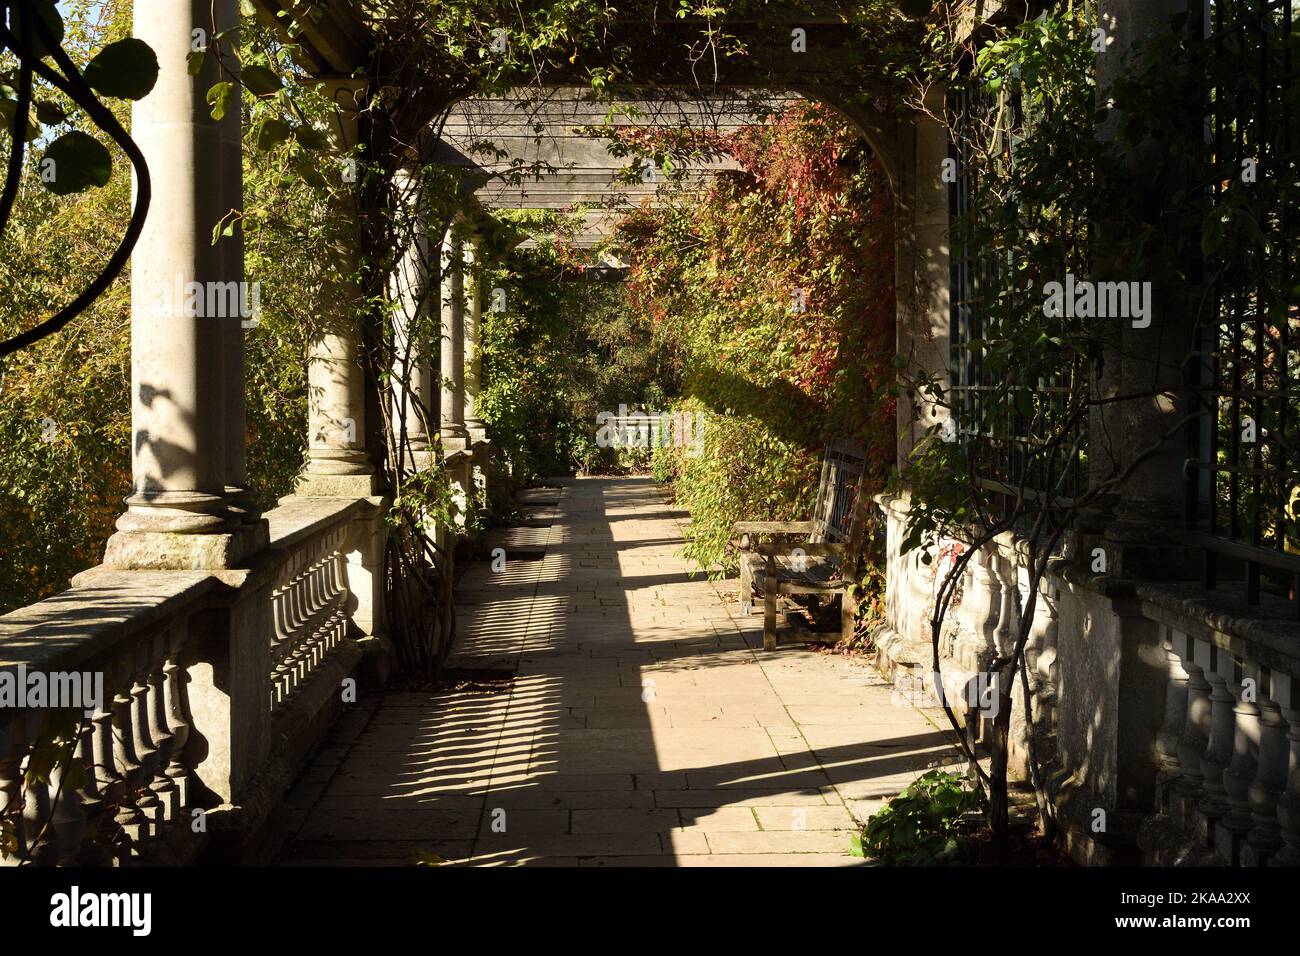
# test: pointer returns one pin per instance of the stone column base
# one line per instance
(336, 486)
(172, 551)
(455, 441)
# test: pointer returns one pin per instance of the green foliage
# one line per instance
(124, 69)
(772, 293)
(923, 825)
(65, 402)
(559, 346)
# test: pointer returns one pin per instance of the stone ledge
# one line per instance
(895, 652)
(300, 517)
(1265, 633)
(336, 486)
(103, 607)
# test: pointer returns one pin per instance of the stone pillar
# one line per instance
(231, 248)
(413, 294)
(474, 423)
(923, 271)
(1149, 506)
(338, 464)
(181, 390)
(455, 437)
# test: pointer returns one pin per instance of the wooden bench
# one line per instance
(826, 561)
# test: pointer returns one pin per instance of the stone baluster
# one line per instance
(1171, 731)
(162, 786)
(307, 626)
(298, 617)
(146, 753)
(12, 750)
(1286, 691)
(1265, 836)
(1195, 737)
(982, 602)
(40, 845)
(1046, 626)
(99, 824)
(314, 633)
(338, 587)
(131, 816)
(322, 614)
(1218, 753)
(1241, 769)
(67, 816)
(109, 782)
(1006, 633)
(179, 721)
(280, 646)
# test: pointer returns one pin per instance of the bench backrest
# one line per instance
(840, 514)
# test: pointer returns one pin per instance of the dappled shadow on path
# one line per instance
(642, 726)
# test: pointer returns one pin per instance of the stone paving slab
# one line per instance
(645, 725)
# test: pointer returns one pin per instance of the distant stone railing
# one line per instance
(215, 687)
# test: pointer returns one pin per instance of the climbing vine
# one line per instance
(772, 292)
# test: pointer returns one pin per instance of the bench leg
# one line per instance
(745, 591)
(848, 612)
(769, 609)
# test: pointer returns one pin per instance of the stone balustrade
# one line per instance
(215, 687)
(1228, 749)
(1166, 718)
(310, 613)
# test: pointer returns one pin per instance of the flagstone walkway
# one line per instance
(645, 724)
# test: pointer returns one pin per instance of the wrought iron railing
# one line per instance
(1243, 469)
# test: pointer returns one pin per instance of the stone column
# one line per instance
(474, 423)
(231, 248)
(177, 514)
(413, 293)
(1143, 433)
(338, 464)
(455, 437)
(923, 272)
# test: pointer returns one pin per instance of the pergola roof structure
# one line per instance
(549, 154)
